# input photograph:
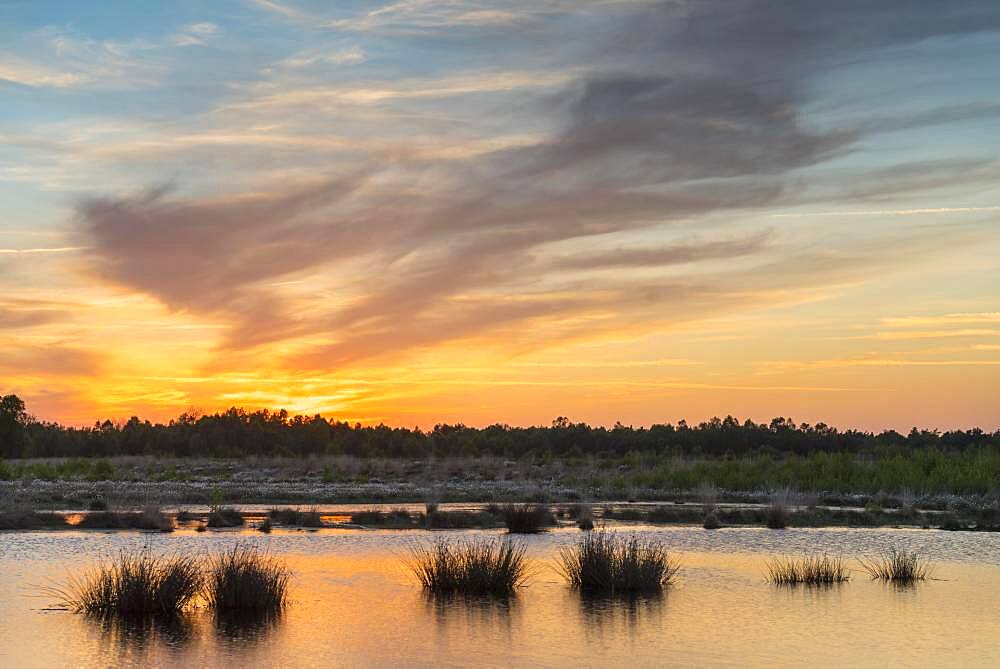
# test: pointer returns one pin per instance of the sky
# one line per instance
(464, 211)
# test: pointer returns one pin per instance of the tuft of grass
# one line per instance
(265, 526)
(897, 565)
(24, 519)
(777, 514)
(526, 518)
(823, 570)
(474, 567)
(150, 518)
(609, 563)
(711, 521)
(220, 516)
(294, 517)
(135, 584)
(245, 579)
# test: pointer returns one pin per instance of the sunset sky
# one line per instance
(422, 212)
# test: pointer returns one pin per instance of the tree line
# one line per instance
(240, 433)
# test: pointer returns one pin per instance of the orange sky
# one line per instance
(424, 213)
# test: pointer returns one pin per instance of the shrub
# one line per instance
(526, 518)
(245, 579)
(135, 584)
(809, 570)
(474, 567)
(608, 563)
(898, 566)
(220, 516)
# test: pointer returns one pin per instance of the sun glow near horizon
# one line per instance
(424, 214)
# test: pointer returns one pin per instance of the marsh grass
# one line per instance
(220, 516)
(898, 566)
(246, 579)
(526, 518)
(150, 518)
(398, 518)
(26, 519)
(135, 585)
(822, 570)
(294, 517)
(473, 567)
(608, 563)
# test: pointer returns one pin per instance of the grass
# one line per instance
(526, 518)
(150, 518)
(24, 519)
(296, 518)
(823, 570)
(609, 563)
(897, 565)
(135, 585)
(220, 516)
(474, 567)
(396, 518)
(246, 580)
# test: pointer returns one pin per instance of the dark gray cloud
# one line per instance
(689, 109)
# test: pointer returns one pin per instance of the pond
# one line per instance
(353, 603)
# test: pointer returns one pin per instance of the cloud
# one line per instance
(686, 110)
(195, 34)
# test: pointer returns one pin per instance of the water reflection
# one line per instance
(142, 631)
(614, 615)
(464, 614)
(245, 628)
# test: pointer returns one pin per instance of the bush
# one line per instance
(898, 566)
(608, 563)
(136, 585)
(526, 518)
(474, 567)
(244, 579)
(810, 570)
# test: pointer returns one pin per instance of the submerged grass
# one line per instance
(897, 565)
(245, 579)
(823, 570)
(474, 567)
(608, 563)
(135, 585)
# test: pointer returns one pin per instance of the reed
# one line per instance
(608, 563)
(897, 565)
(245, 579)
(135, 584)
(474, 567)
(822, 570)
(294, 517)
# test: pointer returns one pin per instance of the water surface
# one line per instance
(354, 604)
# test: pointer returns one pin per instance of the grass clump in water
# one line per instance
(608, 563)
(220, 516)
(897, 565)
(296, 518)
(526, 518)
(246, 580)
(136, 585)
(823, 570)
(475, 567)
